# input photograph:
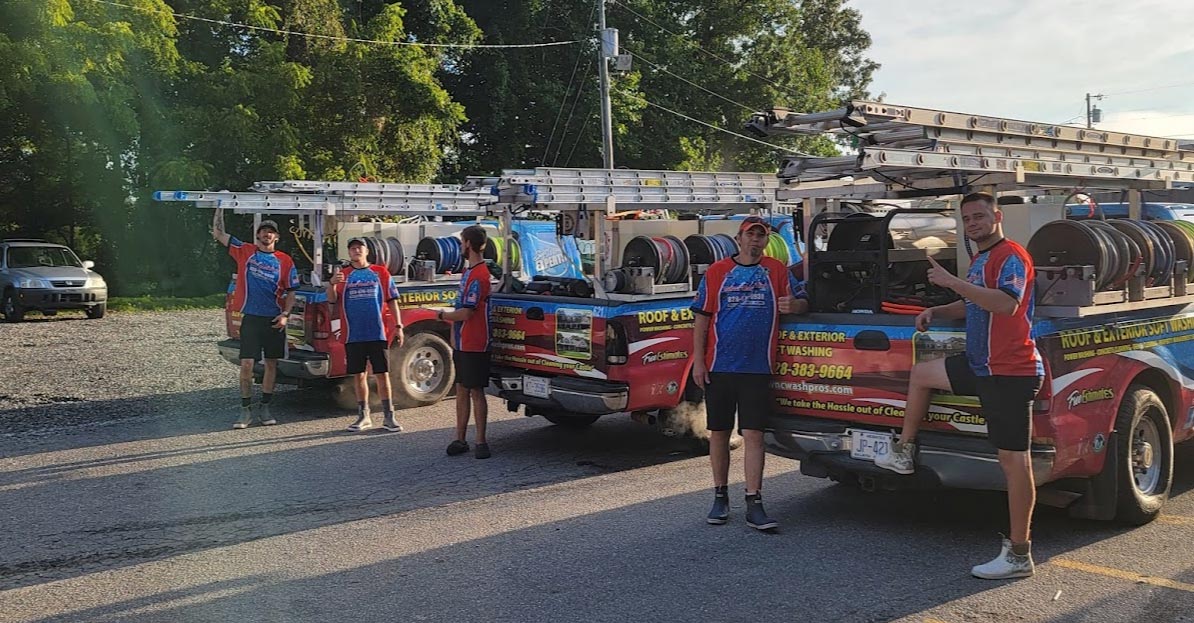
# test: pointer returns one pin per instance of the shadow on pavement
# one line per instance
(83, 423)
(59, 527)
(873, 558)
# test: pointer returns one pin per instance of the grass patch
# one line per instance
(164, 303)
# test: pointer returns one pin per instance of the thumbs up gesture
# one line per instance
(938, 276)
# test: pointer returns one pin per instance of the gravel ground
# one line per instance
(66, 370)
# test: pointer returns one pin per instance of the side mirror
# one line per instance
(88, 264)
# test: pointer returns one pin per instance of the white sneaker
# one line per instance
(1006, 565)
(364, 422)
(246, 418)
(267, 418)
(899, 458)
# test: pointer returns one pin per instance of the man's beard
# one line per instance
(984, 238)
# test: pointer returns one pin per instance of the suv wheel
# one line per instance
(13, 312)
(96, 312)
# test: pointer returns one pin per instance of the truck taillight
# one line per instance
(316, 320)
(617, 348)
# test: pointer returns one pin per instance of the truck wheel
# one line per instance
(95, 312)
(1145, 454)
(13, 312)
(570, 421)
(421, 371)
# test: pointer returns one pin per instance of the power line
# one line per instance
(415, 44)
(1168, 86)
(697, 46)
(567, 90)
(706, 124)
(682, 78)
(580, 135)
(579, 89)
(1154, 117)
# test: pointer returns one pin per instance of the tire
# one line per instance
(421, 371)
(570, 421)
(1144, 447)
(13, 312)
(95, 312)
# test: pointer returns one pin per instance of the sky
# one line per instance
(1035, 60)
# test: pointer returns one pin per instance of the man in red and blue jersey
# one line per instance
(736, 331)
(470, 343)
(264, 277)
(364, 291)
(1001, 366)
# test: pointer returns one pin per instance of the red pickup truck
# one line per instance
(421, 369)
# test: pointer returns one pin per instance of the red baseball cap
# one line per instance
(753, 221)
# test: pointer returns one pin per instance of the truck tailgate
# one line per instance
(553, 335)
(855, 369)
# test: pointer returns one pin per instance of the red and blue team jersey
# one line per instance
(263, 279)
(997, 344)
(363, 296)
(472, 335)
(743, 302)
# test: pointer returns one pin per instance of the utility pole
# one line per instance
(607, 49)
(1093, 114)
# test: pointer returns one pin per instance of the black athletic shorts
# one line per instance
(257, 335)
(1006, 402)
(747, 395)
(372, 353)
(472, 369)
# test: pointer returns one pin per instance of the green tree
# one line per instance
(716, 61)
(100, 105)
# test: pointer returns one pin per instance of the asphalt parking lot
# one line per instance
(125, 496)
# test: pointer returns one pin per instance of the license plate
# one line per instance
(868, 444)
(536, 386)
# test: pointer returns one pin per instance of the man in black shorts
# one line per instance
(263, 277)
(365, 291)
(1001, 366)
(470, 341)
(737, 310)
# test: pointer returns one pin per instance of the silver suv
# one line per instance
(40, 276)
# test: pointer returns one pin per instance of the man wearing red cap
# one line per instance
(737, 327)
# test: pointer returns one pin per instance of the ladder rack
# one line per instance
(330, 198)
(675, 189)
(317, 198)
(861, 116)
(907, 152)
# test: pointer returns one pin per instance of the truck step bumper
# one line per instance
(301, 365)
(569, 394)
(942, 460)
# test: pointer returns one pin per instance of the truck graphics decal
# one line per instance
(821, 371)
(548, 336)
(569, 338)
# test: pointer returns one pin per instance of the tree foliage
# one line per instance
(100, 104)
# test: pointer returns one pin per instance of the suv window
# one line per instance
(33, 257)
